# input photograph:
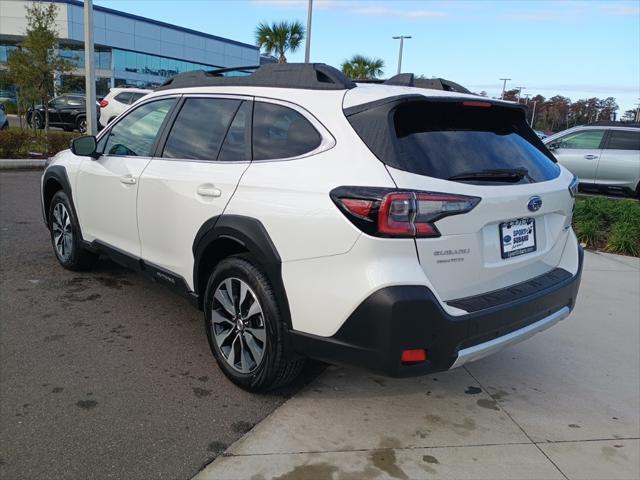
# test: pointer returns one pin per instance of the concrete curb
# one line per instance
(21, 163)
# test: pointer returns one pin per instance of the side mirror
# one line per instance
(553, 146)
(85, 146)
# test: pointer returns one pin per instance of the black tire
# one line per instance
(36, 121)
(276, 367)
(68, 250)
(81, 124)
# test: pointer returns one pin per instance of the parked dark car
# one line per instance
(66, 111)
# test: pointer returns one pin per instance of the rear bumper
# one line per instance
(400, 318)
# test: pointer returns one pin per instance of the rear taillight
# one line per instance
(103, 103)
(385, 212)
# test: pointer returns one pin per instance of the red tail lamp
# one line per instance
(414, 356)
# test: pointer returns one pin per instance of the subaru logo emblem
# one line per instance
(534, 204)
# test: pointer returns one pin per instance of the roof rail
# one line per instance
(312, 76)
(410, 80)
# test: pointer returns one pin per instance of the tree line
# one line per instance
(559, 112)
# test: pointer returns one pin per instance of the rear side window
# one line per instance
(124, 97)
(136, 133)
(200, 128)
(585, 140)
(449, 139)
(281, 132)
(75, 102)
(624, 140)
(237, 143)
(136, 96)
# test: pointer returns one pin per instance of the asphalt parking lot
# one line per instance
(102, 374)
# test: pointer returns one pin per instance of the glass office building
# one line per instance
(129, 49)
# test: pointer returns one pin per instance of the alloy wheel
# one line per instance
(237, 325)
(62, 231)
(82, 126)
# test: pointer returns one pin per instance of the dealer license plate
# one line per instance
(518, 237)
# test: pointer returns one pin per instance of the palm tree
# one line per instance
(360, 67)
(280, 37)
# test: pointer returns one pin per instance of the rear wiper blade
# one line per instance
(493, 175)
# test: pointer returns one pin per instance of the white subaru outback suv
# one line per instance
(401, 229)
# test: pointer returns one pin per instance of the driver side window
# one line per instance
(136, 133)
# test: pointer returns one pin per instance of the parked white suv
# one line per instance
(604, 156)
(400, 229)
(117, 101)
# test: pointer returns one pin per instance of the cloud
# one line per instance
(297, 3)
(378, 11)
(621, 9)
(532, 17)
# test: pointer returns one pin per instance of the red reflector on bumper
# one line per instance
(413, 356)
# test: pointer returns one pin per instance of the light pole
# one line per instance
(89, 71)
(307, 48)
(504, 86)
(401, 38)
(533, 113)
(520, 92)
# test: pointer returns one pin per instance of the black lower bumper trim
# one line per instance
(399, 318)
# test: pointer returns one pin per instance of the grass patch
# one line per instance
(609, 225)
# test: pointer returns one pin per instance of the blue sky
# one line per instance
(578, 49)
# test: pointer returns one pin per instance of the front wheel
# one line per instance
(36, 121)
(65, 235)
(245, 328)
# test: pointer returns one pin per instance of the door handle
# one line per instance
(591, 157)
(209, 191)
(128, 180)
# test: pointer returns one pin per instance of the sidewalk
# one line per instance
(21, 163)
(564, 404)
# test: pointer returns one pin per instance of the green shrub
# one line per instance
(608, 224)
(590, 232)
(58, 141)
(13, 142)
(624, 239)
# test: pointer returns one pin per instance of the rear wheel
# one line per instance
(65, 235)
(81, 124)
(245, 328)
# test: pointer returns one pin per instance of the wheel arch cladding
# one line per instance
(55, 179)
(226, 235)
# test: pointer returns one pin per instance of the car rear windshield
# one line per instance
(455, 139)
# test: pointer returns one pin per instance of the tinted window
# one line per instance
(124, 97)
(200, 128)
(237, 143)
(280, 132)
(444, 140)
(58, 102)
(136, 96)
(588, 140)
(75, 101)
(624, 140)
(135, 134)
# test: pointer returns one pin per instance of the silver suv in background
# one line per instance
(604, 156)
